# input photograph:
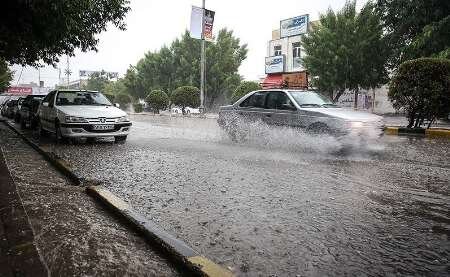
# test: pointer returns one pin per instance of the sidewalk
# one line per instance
(18, 252)
(74, 235)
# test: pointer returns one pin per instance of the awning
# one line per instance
(272, 81)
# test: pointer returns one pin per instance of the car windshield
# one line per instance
(70, 98)
(311, 99)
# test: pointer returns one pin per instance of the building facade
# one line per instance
(283, 64)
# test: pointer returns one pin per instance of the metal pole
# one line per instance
(202, 64)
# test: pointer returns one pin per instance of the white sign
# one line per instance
(274, 64)
(294, 26)
(88, 73)
(196, 22)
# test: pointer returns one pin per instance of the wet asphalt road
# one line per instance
(284, 203)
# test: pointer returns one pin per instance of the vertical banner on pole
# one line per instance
(196, 22)
(208, 25)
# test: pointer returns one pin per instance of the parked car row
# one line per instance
(70, 114)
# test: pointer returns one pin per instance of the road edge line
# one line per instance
(58, 163)
(177, 249)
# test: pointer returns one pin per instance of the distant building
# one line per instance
(283, 64)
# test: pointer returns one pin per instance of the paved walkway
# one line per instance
(18, 253)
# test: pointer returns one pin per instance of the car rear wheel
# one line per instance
(120, 138)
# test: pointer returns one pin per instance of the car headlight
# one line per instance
(75, 119)
(122, 119)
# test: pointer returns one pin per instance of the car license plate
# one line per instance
(102, 127)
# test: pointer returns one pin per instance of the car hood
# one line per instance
(348, 114)
(92, 111)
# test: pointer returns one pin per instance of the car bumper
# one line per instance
(73, 130)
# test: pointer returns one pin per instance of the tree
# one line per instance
(115, 87)
(34, 31)
(123, 100)
(422, 88)
(186, 96)
(244, 88)
(415, 28)
(157, 100)
(179, 65)
(133, 84)
(97, 81)
(339, 53)
(5, 75)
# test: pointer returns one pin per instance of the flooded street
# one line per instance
(284, 203)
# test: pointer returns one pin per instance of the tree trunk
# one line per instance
(356, 99)
(338, 95)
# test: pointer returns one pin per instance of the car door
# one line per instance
(44, 111)
(252, 108)
(279, 109)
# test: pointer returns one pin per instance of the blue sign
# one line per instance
(274, 64)
(294, 26)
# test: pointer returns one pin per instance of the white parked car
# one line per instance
(82, 114)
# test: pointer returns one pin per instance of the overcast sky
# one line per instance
(152, 24)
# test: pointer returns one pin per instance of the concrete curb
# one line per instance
(432, 132)
(51, 157)
(176, 248)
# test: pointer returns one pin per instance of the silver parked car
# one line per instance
(305, 109)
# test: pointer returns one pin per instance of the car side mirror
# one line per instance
(117, 105)
(45, 104)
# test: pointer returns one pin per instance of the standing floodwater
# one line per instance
(281, 203)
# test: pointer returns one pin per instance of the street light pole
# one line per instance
(202, 64)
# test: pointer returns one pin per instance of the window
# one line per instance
(296, 55)
(277, 50)
(70, 98)
(256, 100)
(278, 100)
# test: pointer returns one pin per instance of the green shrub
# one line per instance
(186, 96)
(138, 107)
(244, 88)
(422, 88)
(122, 99)
(157, 100)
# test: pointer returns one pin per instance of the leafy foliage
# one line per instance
(186, 96)
(34, 31)
(5, 75)
(138, 107)
(244, 88)
(123, 100)
(422, 88)
(415, 28)
(157, 100)
(179, 65)
(97, 81)
(340, 51)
